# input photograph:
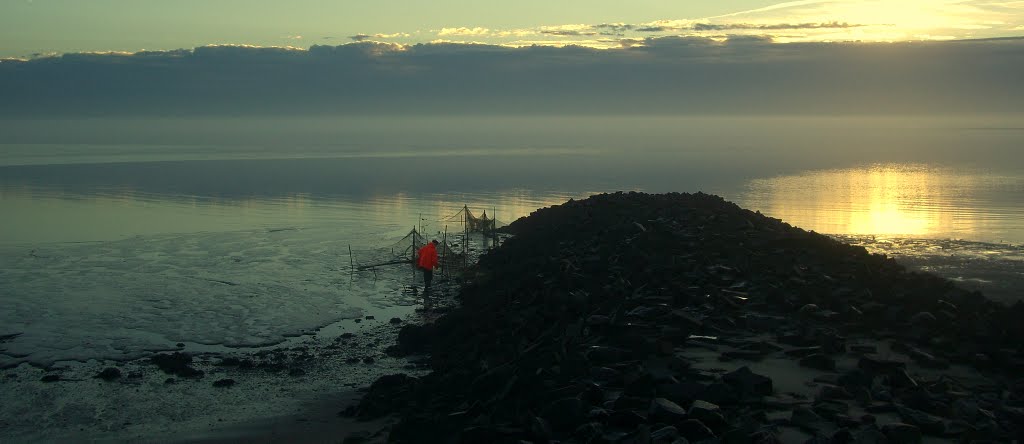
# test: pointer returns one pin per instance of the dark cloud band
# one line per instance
(741, 75)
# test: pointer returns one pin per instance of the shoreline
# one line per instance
(710, 356)
(660, 317)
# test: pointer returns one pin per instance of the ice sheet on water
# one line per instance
(125, 299)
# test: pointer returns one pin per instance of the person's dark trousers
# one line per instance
(428, 275)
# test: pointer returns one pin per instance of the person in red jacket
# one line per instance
(428, 262)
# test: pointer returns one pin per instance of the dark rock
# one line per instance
(901, 379)
(368, 360)
(178, 364)
(668, 434)
(819, 362)
(295, 372)
(395, 321)
(923, 318)
(829, 392)
(927, 359)
(853, 379)
(748, 383)
(565, 414)
(606, 355)
(709, 414)
(170, 381)
(50, 378)
(588, 432)
(864, 348)
(370, 318)
(869, 435)
(746, 355)
(180, 345)
(682, 393)
(829, 409)
(663, 410)
(807, 419)
(930, 424)
(803, 351)
(626, 419)
(899, 433)
(721, 394)
(385, 396)
(539, 430)
(109, 374)
(693, 430)
(875, 365)
(227, 382)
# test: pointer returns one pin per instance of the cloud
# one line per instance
(776, 26)
(463, 32)
(734, 74)
(365, 37)
(798, 21)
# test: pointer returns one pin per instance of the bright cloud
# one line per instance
(794, 21)
(464, 32)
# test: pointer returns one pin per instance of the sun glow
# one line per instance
(905, 200)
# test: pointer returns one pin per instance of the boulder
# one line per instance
(748, 383)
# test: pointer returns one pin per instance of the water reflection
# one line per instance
(41, 214)
(911, 200)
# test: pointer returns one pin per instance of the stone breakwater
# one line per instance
(636, 318)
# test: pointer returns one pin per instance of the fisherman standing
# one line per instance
(428, 262)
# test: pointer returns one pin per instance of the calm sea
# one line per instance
(121, 238)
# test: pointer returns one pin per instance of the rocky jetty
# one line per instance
(635, 318)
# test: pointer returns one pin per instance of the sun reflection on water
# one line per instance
(886, 199)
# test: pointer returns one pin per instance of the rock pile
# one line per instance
(678, 318)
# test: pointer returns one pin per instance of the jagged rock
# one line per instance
(803, 351)
(819, 362)
(50, 378)
(626, 419)
(878, 366)
(588, 432)
(565, 414)
(899, 433)
(695, 431)
(901, 379)
(540, 430)
(930, 424)
(869, 435)
(807, 419)
(109, 374)
(227, 382)
(748, 383)
(584, 274)
(927, 359)
(395, 321)
(864, 348)
(663, 410)
(923, 318)
(682, 393)
(709, 414)
(829, 392)
(829, 409)
(178, 364)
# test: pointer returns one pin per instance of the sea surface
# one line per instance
(120, 239)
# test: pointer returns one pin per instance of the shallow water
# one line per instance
(113, 251)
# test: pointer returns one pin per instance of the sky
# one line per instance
(66, 58)
(31, 28)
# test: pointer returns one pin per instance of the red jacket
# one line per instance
(428, 257)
